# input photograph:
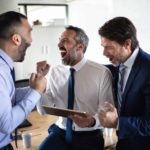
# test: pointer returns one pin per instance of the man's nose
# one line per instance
(60, 44)
(105, 52)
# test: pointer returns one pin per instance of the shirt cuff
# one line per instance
(97, 122)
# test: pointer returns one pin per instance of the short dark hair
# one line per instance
(8, 21)
(120, 29)
(81, 36)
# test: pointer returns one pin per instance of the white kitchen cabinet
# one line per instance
(43, 47)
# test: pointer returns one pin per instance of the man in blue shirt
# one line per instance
(15, 37)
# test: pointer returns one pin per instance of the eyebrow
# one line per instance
(63, 39)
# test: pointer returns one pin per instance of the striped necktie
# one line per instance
(122, 68)
(70, 105)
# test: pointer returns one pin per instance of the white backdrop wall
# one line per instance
(90, 15)
(138, 12)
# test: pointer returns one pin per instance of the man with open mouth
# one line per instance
(92, 87)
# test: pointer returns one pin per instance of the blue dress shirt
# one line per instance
(15, 104)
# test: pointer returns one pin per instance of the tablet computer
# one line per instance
(62, 112)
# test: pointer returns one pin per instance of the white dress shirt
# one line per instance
(93, 86)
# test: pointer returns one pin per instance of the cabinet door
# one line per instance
(43, 47)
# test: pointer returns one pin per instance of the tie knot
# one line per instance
(72, 70)
(122, 67)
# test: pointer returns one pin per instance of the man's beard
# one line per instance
(71, 58)
(22, 49)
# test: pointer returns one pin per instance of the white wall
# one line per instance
(138, 12)
(91, 14)
(7, 5)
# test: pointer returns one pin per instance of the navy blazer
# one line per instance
(134, 119)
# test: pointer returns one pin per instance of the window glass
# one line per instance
(45, 14)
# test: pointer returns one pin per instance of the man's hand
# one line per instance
(83, 122)
(108, 116)
(37, 82)
(42, 67)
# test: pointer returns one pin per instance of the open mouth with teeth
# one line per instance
(110, 59)
(113, 60)
(63, 53)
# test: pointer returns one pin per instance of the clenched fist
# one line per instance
(42, 67)
(108, 116)
(38, 82)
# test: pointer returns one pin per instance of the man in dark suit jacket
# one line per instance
(132, 117)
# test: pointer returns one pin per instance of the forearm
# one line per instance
(20, 93)
(12, 116)
(133, 126)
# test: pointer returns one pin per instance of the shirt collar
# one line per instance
(129, 62)
(80, 64)
(7, 59)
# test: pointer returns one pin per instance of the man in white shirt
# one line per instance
(93, 86)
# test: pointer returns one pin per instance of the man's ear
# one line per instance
(80, 46)
(16, 38)
(128, 44)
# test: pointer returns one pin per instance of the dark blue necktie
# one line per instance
(12, 71)
(120, 84)
(70, 105)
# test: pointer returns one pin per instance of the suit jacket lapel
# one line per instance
(135, 68)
